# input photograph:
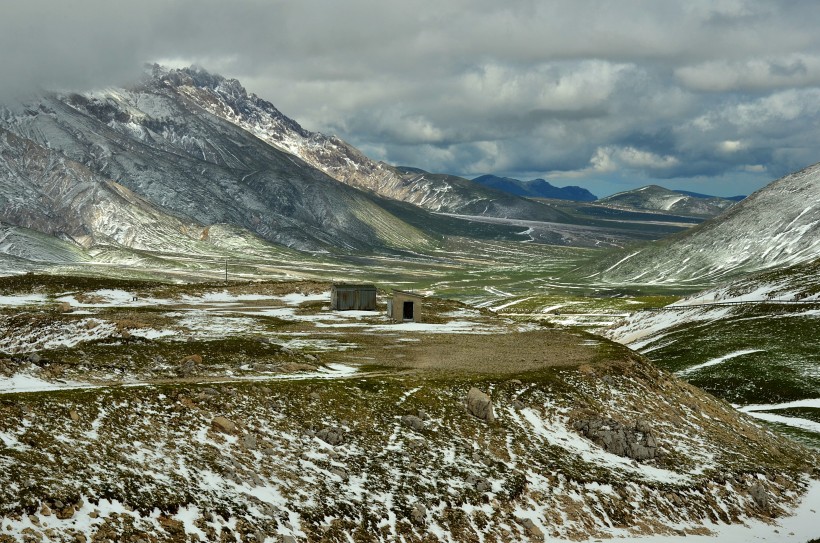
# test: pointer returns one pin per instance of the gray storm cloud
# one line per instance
(607, 94)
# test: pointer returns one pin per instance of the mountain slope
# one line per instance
(537, 188)
(43, 191)
(656, 198)
(752, 342)
(228, 100)
(206, 170)
(774, 227)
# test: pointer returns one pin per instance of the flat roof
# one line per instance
(354, 285)
(408, 293)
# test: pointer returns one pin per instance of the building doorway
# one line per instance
(407, 313)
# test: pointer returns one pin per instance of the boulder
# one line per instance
(331, 435)
(413, 422)
(759, 495)
(532, 529)
(224, 425)
(479, 483)
(189, 365)
(340, 472)
(249, 441)
(418, 514)
(480, 405)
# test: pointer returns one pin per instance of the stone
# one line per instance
(314, 396)
(759, 495)
(418, 514)
(45, 511)
(31, 534)
(249, 441)
(532, 529)
(340, 472)
(412, 421)
(74, 415)
(479, 483)
(195, 358)
(422, 414)
(331, 435)
(643, 427)
(65, 513)
(480, 405)
(224, 425)
(189, 365)
(518, 405)
(287, 539)
(210, 391)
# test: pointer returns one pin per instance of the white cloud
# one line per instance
(472, 86)
(610, 159)
(730, 146)
(752, 74)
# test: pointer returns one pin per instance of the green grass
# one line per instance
(785, 369)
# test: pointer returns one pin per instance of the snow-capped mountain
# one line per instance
(89, 155)
(774, 227)
(184, 150)
(228, 100)
(656, 198)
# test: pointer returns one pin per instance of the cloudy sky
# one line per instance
(716, 96)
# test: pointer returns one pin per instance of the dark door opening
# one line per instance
(408, 311)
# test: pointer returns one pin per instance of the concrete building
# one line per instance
(405, 306)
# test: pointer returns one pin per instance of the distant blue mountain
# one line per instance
(537, 188)
(698, 195)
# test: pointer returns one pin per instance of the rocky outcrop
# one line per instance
(636, 442)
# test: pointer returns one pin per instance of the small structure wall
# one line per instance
(405, 306)
(345, 297)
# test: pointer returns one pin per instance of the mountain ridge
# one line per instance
(774, 227)
(227, 99)
(657, 198)
(535, 188)
(205, 170)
